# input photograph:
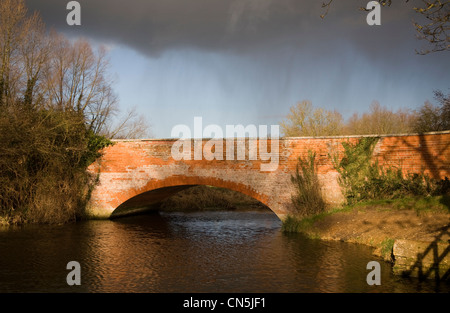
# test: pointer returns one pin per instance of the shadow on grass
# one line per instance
(445, 200)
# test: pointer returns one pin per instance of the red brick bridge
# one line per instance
(138, 174)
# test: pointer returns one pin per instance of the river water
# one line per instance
(224, 251)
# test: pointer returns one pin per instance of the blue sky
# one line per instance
(174, 60)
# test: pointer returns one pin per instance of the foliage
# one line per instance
(308, 198)
(363, 179)
(355, 167)
(386, 248)
(420, 204)
(305, 225)
(95, 143)
(56, 106)
(44, 155)
(291, 225)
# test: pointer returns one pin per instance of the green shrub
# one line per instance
(308, 199)
(363, 179)
(44, 154)
(355, 168)
(291, 225)
(386, 248)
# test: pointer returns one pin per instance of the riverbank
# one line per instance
(388, 227)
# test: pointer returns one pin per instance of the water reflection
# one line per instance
(188, 252)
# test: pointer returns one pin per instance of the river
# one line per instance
(227, 251)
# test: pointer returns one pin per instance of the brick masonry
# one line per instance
(140, 173)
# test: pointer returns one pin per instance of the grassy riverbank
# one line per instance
(379, 223)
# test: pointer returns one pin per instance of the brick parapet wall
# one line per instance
(130, 168)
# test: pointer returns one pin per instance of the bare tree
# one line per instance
(434, 26)
(57, 71)
(379, 120)
(433, 117)
(130, 126)
(35, 53)
(56, 104)
(47, 70)
(12, 17)
(304, 120)
(78, 80)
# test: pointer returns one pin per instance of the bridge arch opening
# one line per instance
(152, 196)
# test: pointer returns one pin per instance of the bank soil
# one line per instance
(373, 225)
(382, 228)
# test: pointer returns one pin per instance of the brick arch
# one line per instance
(134, 167)
(157, 190)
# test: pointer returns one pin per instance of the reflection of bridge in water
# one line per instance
(137, 174)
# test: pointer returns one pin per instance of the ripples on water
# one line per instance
(189, 252)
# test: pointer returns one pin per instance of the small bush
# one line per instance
(386, 248)
(308, 199)
(291, 225)
(355, 167)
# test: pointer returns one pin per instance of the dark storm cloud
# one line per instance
(267, 54)
(153, 26)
